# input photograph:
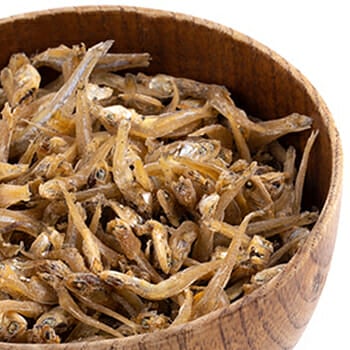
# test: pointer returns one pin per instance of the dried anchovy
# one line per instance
(131, 203)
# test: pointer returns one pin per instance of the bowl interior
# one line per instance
(182, 46)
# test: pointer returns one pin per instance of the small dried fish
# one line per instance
(55, 58)
(130, 245)
(13, 194)
(123, 172)
(26, 308)
(90, 249)
(161, 245)
(164, 289)
(262, 278)
(132, 203)
(51, 324)
(181, 242)
(82, 72)
(208, 301)
(13, 326)
(11, 171)
(20, 79)
(68, 304)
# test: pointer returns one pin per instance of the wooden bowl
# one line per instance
(265, 85)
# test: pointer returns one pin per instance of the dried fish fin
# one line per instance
(72, 61)
(289, 163)
(7, 82)
(141, 175)
(277, 151)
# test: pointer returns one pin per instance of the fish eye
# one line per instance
(80, 285)
(249, 185)
(276, 184)
(100, 174)
(50, 321)
(13, 327)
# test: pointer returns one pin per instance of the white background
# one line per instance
(314, 37)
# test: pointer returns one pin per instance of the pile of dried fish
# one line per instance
(131, 203)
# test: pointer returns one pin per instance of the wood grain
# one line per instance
(265, 85)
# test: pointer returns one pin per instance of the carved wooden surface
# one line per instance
(264, 84)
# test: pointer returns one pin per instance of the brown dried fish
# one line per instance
(132, 203)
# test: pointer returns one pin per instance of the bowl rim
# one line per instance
(330, 205)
